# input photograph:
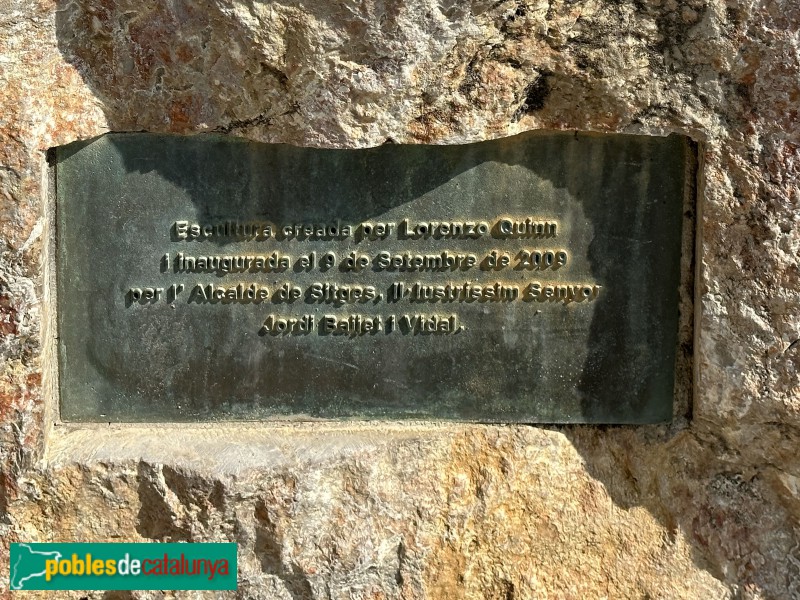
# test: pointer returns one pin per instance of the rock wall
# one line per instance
(707, 507)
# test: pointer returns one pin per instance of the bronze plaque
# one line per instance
(528, 279)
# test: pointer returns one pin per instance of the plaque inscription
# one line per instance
(529, 279)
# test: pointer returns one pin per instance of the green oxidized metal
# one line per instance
(529, 279)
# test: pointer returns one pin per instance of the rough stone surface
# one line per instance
(705, 508)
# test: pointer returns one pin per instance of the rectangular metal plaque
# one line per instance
(531, 279)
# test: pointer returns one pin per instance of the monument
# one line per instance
(191, 348)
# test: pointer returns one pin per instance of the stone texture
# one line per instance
(705, 508)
